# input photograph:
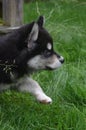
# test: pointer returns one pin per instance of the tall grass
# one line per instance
(66, 21)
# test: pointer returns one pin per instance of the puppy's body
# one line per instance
(23, 51)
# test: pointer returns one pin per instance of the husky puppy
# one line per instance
(23, 51)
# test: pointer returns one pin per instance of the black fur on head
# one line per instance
(28, 48)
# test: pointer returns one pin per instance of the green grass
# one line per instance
(66, 21)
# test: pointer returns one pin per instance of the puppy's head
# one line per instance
(43, 55)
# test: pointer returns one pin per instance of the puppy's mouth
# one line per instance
(55, 65)
(49, 68)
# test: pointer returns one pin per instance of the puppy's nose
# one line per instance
(61, 59)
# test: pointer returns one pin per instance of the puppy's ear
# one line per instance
(41, 21)
(34, 33)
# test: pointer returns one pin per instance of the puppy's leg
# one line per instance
(29, 85)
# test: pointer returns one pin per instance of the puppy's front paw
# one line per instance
(42, 98)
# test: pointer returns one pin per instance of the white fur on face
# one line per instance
(39, 63)
(49, 46)
(36, 63)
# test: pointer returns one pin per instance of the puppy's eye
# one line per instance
(47, 53)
